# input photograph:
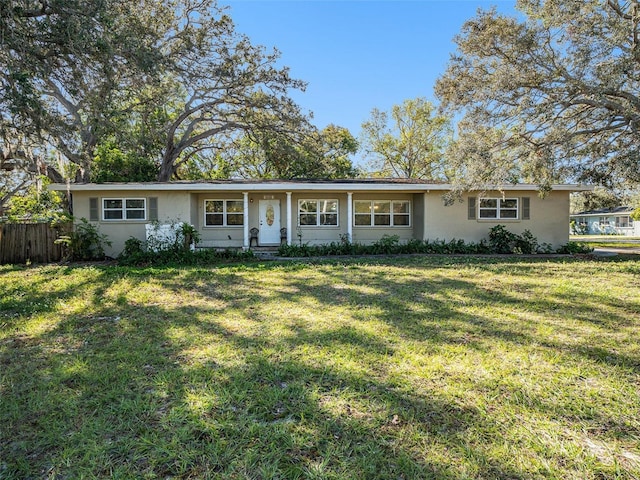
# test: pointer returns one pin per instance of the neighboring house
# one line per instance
(606, 221)
(316, 212)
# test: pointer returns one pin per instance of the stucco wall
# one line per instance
(549, 218)
(172, 207)
(430, 218)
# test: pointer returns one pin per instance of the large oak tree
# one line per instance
(76, 74)
(552, 96)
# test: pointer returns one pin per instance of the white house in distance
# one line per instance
(227, 213)
(607, 221)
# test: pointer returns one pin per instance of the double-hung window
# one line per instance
(124, 208)
(318, 213)
(223, 213)
(623, 222)
(498, 208)
(382, 213)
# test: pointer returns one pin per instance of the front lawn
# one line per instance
(415, 367)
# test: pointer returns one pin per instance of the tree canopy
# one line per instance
(550, 98)
(410, 142)
(298, 153)
(154, 82)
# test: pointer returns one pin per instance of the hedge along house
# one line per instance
(227, 213)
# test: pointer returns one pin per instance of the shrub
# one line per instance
(85, 242)
(526, 243)
(573, 248)
(501, 240)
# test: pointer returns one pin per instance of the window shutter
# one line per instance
(471, 213)
(526, 208)
(153, 208)
(94, 215)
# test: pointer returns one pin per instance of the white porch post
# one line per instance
(350, 216)
(289, 218)
(424, 215)
(245, 242)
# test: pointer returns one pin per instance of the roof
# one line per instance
(355, 185)
(606, 211)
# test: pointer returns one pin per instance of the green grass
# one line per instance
(604, 244)
(420, 367)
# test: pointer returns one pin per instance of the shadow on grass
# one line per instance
(216, 374)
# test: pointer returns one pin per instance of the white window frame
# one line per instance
(225, 212)
(372, 215)
(499, 208)
(124, 210)
(319, 213)
(618, 221)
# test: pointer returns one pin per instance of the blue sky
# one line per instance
(357, 55)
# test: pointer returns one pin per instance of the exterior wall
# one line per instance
(317, 235)
(368, 235)
(217, 236)
(430, 218)
(172, 207)
(594, 227)
(418, 217)
(548, 221)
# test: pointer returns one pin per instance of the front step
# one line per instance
(265, 253)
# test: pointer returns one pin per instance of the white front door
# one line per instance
(269, 222)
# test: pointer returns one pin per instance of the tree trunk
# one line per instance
(167, 168)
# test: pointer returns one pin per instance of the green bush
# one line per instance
(182, 257)
(501, 241)
(573, 248)
(85, 242)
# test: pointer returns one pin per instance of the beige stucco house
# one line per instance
(316, 212)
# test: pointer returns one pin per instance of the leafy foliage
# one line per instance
(551, 98)
(164, 81)
(501, 241)
(299, 153)
(408, 143)
(111, 164)
(177, 249)
(85, 242)
(36, 204)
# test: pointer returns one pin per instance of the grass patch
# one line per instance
(420, 367)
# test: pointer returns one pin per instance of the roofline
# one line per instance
(603, 214)
(293, 187)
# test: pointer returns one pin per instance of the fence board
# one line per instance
(30, 242)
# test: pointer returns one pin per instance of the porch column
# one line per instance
(289, 218)
(245, 222)
(350, 216)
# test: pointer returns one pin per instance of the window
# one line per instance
(318, 213)
(498, 208)
(382, 213)
(623, 222)
(124, 208)
(604, 221)
(223, 213)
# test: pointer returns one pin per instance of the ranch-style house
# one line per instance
(245, 214)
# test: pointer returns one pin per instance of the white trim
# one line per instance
(372, 214)
(318, 212)
(498, 208)
(245, 221)
(289, 218)
(350, 216)
(123, 209)
(294, 187)
(225, 214)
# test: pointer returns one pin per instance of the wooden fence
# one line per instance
(30, 242)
